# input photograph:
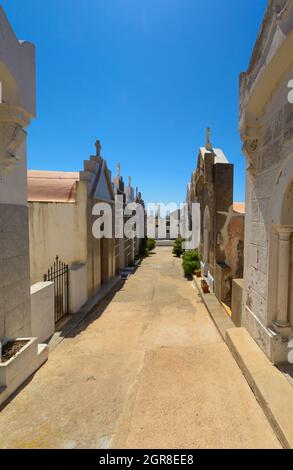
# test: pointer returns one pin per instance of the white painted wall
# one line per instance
(42, 311)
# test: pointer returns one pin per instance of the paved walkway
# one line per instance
(146, 369)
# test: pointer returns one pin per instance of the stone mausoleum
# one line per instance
(266, 127)
(222, 221)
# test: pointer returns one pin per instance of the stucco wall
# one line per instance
(42, 310)
(57, 229)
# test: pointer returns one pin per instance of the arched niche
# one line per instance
(280, 289)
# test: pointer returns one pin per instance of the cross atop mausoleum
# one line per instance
(208, 141)
(98, 148)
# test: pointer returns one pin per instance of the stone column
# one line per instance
(283, 276)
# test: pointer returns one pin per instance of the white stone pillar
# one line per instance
(283, 276)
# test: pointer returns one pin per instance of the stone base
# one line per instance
(237, 292)
(19, 368)
(273, 391)
(274, 345)
(223, 282)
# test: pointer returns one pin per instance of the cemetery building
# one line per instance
(266, 127)
(61, 218)
(222, 221)
(125, 247)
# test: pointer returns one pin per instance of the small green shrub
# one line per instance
(177, 248)
(191, 262)
(151, 244)
(146, 246)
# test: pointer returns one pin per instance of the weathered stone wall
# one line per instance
(14, 272)
(273, 149)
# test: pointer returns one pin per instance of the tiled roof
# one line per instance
(239, 207)
(52, 186)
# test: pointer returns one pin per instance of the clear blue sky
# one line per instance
(145, 77)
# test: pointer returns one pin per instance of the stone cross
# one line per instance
(98, 148)
(129, 181)
(118, 170)
(208, 142)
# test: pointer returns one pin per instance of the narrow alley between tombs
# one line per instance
(146, 368)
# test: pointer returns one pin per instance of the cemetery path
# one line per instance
(146, 369)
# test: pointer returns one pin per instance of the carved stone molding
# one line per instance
(249, 149)
(12, 135)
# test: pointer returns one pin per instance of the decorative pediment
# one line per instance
(103, 189)
(98, 177)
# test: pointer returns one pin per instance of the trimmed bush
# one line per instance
(147, 245)
(177, 248)
(191, 262)
(151, 244)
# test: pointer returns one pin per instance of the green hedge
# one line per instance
(191, 262)
(177, 248)
(151, 244)
(147, 245)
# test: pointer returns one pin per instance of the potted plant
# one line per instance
(205, 287)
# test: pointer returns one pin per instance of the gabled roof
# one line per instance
(52, 186)
(220, 157)
(103, 190)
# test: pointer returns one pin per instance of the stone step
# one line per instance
(273, 391)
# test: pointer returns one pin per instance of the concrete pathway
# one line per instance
(146, 369)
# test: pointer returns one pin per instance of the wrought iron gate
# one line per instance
(58, 273)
